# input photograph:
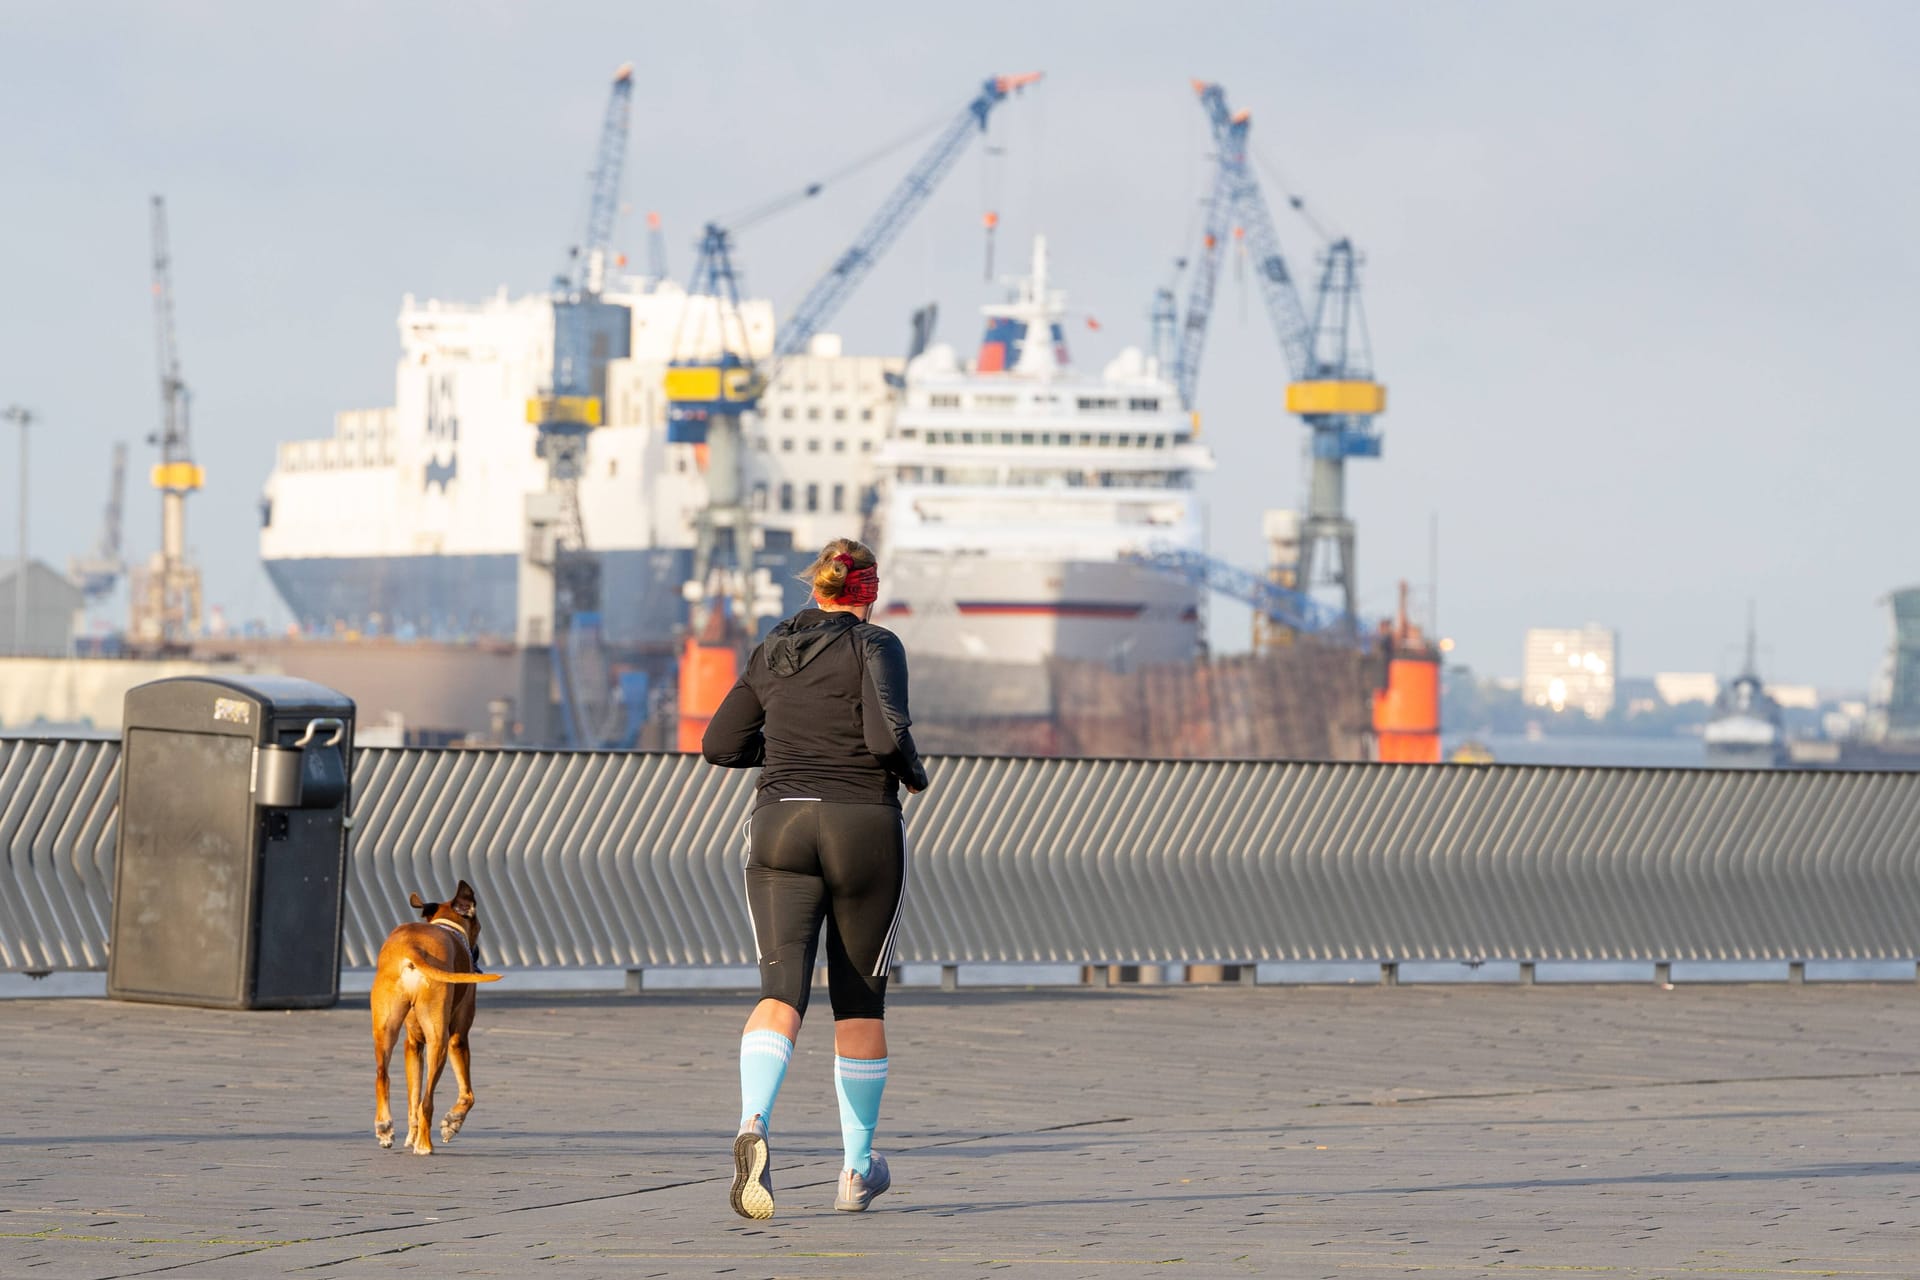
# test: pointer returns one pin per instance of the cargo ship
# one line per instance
(407, 522)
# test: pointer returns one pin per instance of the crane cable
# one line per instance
(754, 214)
(1297, 203)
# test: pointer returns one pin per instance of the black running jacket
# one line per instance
(822, 708)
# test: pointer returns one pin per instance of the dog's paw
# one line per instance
(384, 1132)
(450, 1124)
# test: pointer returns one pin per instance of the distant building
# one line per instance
(1638, 695)
(1571, 668)
(52, 605)
(1895, 710)
(1677, 687)
(1799, 697)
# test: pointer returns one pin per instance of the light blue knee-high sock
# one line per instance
(859, 1082)
(763, 1065)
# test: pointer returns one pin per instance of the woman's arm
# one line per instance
(733, 739)
(883, 704)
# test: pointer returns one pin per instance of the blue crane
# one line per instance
(729, 384)
(587, 332)
(1326, 350)
(707, 394)
(1279, 604)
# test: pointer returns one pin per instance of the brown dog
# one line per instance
(424, 982)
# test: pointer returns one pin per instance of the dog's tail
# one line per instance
(444, 975)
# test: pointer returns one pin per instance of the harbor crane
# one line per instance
(708, 392)
(560, 575)
(166, 607)
(97, 574)
(1327, 353)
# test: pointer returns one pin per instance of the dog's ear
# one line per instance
(418, 905)
(463, 900)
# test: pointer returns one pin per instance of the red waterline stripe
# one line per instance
(1059, 610)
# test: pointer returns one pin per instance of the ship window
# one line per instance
(786, 497)
(760, 497)
(1159, 442)
(908, 433)
(943, 400)
(813, 497)
(786, 411)
(993, 402)
(1106, 441)
(1147, 405)
(839, 497)
(839, 446)
(866, 446)
(1093, 404)
(1026, 437)
(813, 445)
(760, 444)
(1006, 437)
(1046, 437)
(910, 475)
(839, 415)
(786, 444)
(866, 415)
(1086, 441)
(613, 467)
(966, 437)
(813, 413)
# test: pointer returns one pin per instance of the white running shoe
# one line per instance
(752, 1178)
(855, 1192)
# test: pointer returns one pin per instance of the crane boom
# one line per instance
(1193, 330)
(1237, 194)
(603, 203)
(175, 443)
(851, 267)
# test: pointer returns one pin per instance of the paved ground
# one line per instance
(1437, 1132)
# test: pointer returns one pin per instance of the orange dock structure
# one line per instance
(1406, 712)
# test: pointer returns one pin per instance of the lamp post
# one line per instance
(24, 417)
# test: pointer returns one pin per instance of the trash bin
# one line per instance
(229, 879)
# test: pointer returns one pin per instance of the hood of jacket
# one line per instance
(798, 640)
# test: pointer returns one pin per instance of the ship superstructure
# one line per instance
(1013, 490)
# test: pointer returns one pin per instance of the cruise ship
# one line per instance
(1013, 492)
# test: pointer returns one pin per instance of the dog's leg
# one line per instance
(436, 1060)
(415, 1124)
(462, 1073)
(384, 1034)
(459, 1052)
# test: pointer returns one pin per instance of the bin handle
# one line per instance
(338, 726)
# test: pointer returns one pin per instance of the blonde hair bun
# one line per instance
(827, 575)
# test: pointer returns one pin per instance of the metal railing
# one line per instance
(627, 860)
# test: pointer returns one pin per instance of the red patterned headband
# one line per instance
(862, 586)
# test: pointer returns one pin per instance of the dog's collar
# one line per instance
(451, 927)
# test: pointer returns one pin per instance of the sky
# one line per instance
(1639, 276)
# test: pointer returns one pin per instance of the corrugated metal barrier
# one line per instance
(615, 860)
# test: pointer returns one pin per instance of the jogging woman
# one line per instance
(822, 710)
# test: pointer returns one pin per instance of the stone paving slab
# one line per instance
(1296, 1132)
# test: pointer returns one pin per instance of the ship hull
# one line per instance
(980, 630)
(458, 597)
